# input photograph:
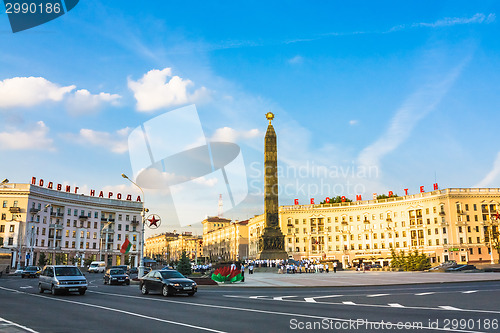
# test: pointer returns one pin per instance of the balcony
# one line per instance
(83, 217)
(15, 209)
(134, 222)
(111, 220)
(34, 210)
(103, 219)
(58, 237)
(442, 213)
(388, 219)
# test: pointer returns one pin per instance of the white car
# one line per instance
(20, 270)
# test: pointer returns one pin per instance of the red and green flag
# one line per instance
(226, 274)
(126, 246)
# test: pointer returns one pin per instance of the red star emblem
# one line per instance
(153, 221)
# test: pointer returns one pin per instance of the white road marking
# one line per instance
(447, 307)
(313, 299)
(2, 320)
(469, 291)
(281, 298)
(349, 303)
(423, 294)
(395, 305)
(26, 287)
(377, 295)
(255, 297)
(120, 311)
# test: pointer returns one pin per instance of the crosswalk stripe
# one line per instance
(377, 295)
(447, 307)
(395, 305)
(423, 294)
(469, 292)
(349, 303)
(255, 297)
(310, 300)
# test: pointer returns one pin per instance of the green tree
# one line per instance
(337, 199)
(383, 196)
(184, 265)
(42, 259)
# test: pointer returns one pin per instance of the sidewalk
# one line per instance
(353, 278)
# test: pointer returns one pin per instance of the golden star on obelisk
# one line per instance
(270, 116)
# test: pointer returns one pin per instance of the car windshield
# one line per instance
(94, 265)
(68, 271)
(116, 271)
(32, 268)
(171, 274)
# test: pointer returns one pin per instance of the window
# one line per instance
(427, 211)
(127, 217)
(74, 223)
(75, 212)
(96, 214)
(95, 225)
(478, 250)
(74, 234)
(15, 203)
(4, 204)
(120, 238)
(119, 217)
(67, 234)
(11, 228)
(94, 236)
(126, 228)
(444, 230)
(4, 216)
(72, 245)
(82, 234)
(11, 241)
(134, 238)
(460, 229)
(69, 213)
(2, 228)
(68, 223)
(119, 227)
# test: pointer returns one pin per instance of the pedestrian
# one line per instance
(250, 268)
(335, 267)
(242, 269)
(363, 267)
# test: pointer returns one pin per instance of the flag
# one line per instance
(126, 246)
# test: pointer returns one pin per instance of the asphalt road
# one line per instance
(457, 307)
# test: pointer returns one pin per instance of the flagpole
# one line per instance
(143, 217)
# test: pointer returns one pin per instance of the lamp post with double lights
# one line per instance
(143, 217)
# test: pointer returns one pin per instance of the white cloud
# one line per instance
(477, 18)
(208, 182)
(160, 89)
(492, 177)
(227, 134)
(82, 101)
(296, 60)
(30, 91)
(415, 108)
(115, 142)
(353, 122)
(34, 138)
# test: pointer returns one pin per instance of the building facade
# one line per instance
(451, 224)
(67, 227)
(169, 246)
(224, 240)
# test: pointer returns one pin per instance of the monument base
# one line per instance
(272, 245)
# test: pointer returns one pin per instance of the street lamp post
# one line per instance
(143, 217)
(490, 231)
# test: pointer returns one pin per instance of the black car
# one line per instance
(116, 276)
(125, 268)
(168, 282)
(31, 271)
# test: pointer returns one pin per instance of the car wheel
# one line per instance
(22, 276)
(127, 283)
(144, 290)
(82, 291)
(40, 288)
(53, 290)
(165, 291)
(191, 294)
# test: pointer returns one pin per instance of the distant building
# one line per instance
(450, 224)
(67, 226)
(224, 240)
(169, 246)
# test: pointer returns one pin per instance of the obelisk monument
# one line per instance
(272, 240)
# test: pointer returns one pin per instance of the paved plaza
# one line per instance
(350, 278)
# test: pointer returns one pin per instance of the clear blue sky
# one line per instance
(409, 91)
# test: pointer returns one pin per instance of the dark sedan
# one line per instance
(31, 271)
(168, 282)
(116, 276)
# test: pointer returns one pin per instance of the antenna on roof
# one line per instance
(219, 211)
